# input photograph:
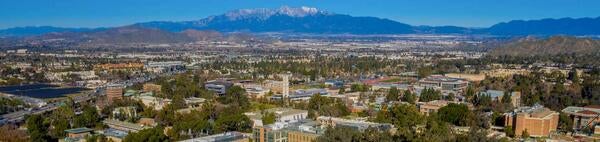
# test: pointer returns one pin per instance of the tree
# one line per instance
(228, 121)
(470, 93)
(450, 97)
(340, 134)
(565, 124)
(155, 134)
(509, 131)
(11, 133)
(268, 118)
(429, 94)
(574, 76)
(89, 117)
(401, 115)
(342, 90)
(36, 128)
(525, 134)
(409, 97)
(393, 95)
(236, 96)
(457, 114)
(424, 72)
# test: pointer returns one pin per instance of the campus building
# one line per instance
(537, 121)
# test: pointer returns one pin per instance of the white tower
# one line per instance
(285, 90)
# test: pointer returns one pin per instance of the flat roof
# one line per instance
(79, 130)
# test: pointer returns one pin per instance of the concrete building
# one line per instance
(359, 125)
(303, 94)
(282, 115)
(222, 137)
(583, 116)
(286, 85)
(114, 92)
(218, 86)
(300, 131)
(446, 84)
(537, 121)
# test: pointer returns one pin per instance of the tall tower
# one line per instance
(285, 90)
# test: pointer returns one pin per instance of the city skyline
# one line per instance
(431, 12)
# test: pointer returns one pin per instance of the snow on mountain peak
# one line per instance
(263, 13)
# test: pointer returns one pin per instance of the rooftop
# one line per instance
(278, 111)
(79, 130)
(222, 137)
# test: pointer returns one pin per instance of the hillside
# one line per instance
(551, 46)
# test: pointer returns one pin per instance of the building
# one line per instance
(359, 125)
(114, 135)
(119, 66)
(124, 126)
(303, 94)
(446, 84)
(162, 67)
(300, 131)
(218, 86)
(468, 77)
(151, 87)
(151, 101)
(192, 104)
(583, 116)
(427, 108)
(77, 134)
(114, 92)
(496, 95)
(537, 121)
(222, 137)
(282, 115)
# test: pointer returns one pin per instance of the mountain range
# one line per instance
(315, 21)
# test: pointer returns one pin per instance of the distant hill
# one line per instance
(551, 46)
(564, 26)
(316, 21)
(31, 31)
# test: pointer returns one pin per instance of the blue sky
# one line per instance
(107, 13)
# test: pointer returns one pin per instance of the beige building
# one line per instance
(537, 121)
(427, 108)
(151, 87)
(114, 93)
(468, 77)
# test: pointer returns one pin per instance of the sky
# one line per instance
(110, 13)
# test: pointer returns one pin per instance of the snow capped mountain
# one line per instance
(264, 13)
